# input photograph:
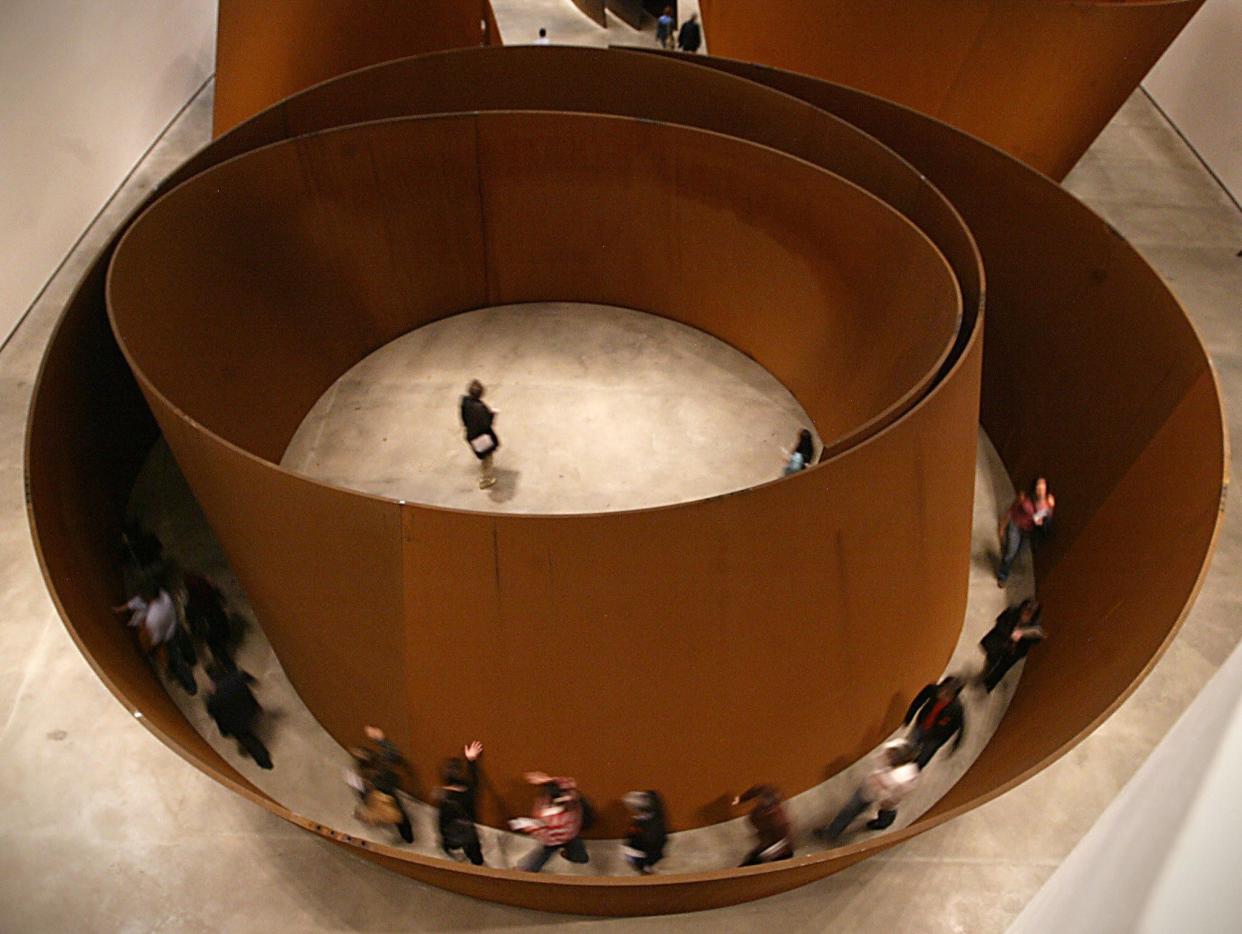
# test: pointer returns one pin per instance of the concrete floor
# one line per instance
(599, 409)
(103, 829)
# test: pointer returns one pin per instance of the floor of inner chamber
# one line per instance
(599, 409)
(309, 764)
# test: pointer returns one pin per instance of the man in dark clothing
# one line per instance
(691, 35)
(648, 834)
(386, 762)
(233, 707)
(1006, 644)
(457, 797)
(937, 715)
(477, 419)
(207, 618)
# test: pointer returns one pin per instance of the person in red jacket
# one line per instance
(771, 825)
(555, 821)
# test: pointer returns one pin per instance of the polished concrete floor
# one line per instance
(104, 829)
(598, 409)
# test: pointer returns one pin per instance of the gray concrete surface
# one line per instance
(103, 829)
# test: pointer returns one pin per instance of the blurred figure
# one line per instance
(893, 776)
(937, 716)
(543, 38)
(644, 844)
(234, 708)
(146, 554)
(382, 776)
(1016, 630)
(803, 453)
(207, 619)
(664, 28)
(477, 419)
(460, 781)
(1030, 514)
(555, 822)
(154, 614)
(771, 825)
(691, 35)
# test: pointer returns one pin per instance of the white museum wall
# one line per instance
(87, 86)
(1198, 83)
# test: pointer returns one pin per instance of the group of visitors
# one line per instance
(180, 619)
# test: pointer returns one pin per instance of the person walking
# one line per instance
(1030, 514)
(691, 35)
(771, 825)
(477, 419)
(937, 716)
(232, 705)
(648, 834)
(664, 28)
(207, 619)
(893, 776)
(803, 453)
(556, 821)
(460, 781)
(384, 778)
(1017, 629)
(154, 614)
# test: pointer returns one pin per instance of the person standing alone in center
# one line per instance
(477, 419)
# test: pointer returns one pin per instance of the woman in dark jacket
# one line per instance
(1016, 630)
(644, 845)
(477, 419)
(460, 777)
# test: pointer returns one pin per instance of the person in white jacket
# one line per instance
(894, 776)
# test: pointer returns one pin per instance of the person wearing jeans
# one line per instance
(1030, 513)
(891, 780)
(555, 822)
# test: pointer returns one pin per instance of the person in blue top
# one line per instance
(664, 28)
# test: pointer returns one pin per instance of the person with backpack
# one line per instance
(460, 781)
(559, 816)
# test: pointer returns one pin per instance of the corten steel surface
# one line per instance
(502, 596)
(593, 9)
(630, 12)
(1038, 78)
(269, 49)
(1055, 254)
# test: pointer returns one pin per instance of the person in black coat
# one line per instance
(232, 705)
(937, 715)
(691, 35)
(644, 845)
(460, 777)
(1006, 644)
(477, 419)
(208, 619)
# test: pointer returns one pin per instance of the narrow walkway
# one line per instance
(309, 764)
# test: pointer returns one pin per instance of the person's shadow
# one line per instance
(506, 485)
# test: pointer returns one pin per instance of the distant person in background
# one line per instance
(644, 844)
(459, 784)
(803, 453)
(893, 776)
(664, 28)
(233, 706)
(936, 716)
(477, 419)
(771, 825)
(556, 821)
(383, 776)
(1016, 630)
(691, 35)
(1030, 515)
(154, 614)
(543, 38)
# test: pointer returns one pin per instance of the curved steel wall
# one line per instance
(269, 49)
(1060, 260)
(1038, 78)
(345, 254)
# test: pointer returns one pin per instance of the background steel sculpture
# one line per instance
(1054, 271)
(1038, 78)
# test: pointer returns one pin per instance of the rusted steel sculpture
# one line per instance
(917, 199)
